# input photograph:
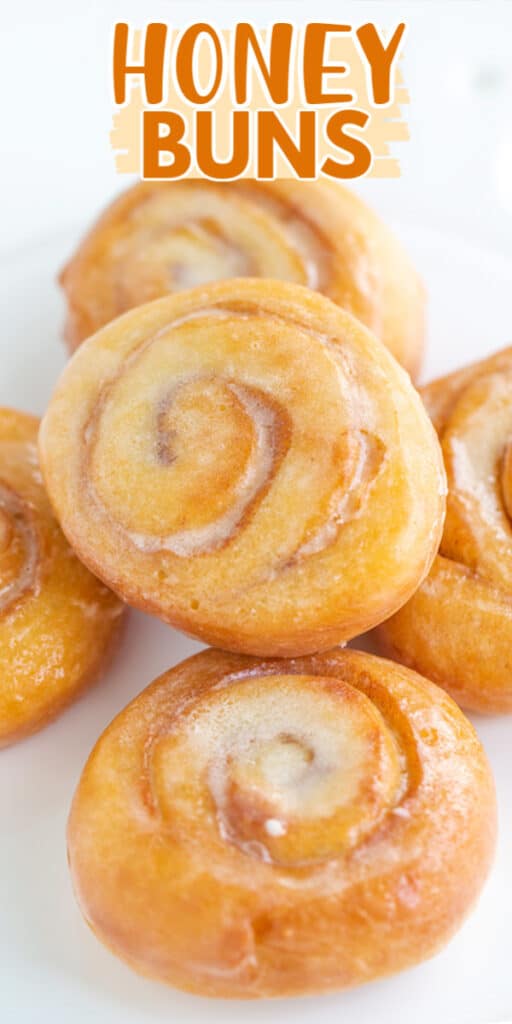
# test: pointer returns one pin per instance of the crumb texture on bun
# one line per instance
(58, 624)
(457, 628)
(250, 828)
(246, 461)
(159, 238)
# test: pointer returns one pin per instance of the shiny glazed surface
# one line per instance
(252, 828)
(254, 466)
(58, 624)
(457, 628)
(159, 237)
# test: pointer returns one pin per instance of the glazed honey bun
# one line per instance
(457, 628)
(58, 623)
(252, 465)
(159, 237)
(257, 828)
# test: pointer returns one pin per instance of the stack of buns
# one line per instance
(235, 448)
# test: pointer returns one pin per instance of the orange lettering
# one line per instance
(153, 67)
(275, 70)
(272, 133)
(235, 166)
(314, 68)
(185, 63)
(357, 148)
(380, 58)
(155, 143)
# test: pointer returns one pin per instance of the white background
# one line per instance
(57, 165)
(453, 207)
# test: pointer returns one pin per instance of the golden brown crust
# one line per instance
(457, 628)
(248, 459)
(159, 237)
(58, 624)
(247, 829)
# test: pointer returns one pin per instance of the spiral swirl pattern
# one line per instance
(158, 238)
(457, 628)
(57, 622)
(272, 827)
(20, 549)
(249, 462)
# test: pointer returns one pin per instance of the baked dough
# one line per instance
(247, 462)
(256, 828)
(457, 629)
(58, 624)
(165, 237)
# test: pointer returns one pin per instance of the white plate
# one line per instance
(52, 969)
